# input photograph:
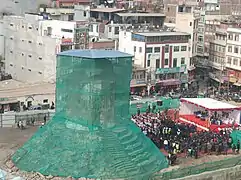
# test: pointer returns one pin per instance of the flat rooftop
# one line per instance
(94, 54)
(108, 10)
(11, 89)
(141, 14)
(162, 33)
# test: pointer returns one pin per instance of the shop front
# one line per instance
(171, 78)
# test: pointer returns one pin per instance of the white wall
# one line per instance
(1, 39)
(234, 43)
(29, 56)
(81, 12)
(127, 45)
(57, 28)
(183, 21)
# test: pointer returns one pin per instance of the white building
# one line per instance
(233, 51)
(32, 44)
(161, 53)
(15, 94)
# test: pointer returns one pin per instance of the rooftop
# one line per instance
(14, 89)
(94, 54)
(108, 10)
(162, 33)
(210, 104)
(141, 14)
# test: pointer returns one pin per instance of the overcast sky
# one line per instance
(22, 5)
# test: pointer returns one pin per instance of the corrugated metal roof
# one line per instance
(94, 54)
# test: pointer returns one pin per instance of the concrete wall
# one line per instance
(233, 173)
(30, 57)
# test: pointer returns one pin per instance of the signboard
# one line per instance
(171, 70)
(67, 41)
(138, 37)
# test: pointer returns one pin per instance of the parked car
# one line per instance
(35, 108)
(135, 98)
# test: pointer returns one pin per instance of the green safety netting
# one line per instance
(236, 135)
(91, 134)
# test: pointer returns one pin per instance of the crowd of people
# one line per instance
(179, 138)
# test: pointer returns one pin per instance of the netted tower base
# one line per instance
(91, 134)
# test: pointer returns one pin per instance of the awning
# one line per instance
(237, 84)
(9, 101)
(137, 85)
(169, 82)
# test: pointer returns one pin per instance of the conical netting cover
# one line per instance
(91, 134)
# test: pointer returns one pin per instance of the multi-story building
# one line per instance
(187, 21)
(233, 51)
(217, 56)
(165, 55)
(32, 44)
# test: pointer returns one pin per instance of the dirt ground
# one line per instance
(11, 139)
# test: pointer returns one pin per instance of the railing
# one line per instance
(193, 170)
(28, 117)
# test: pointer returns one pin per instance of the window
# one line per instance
(183, 48)
(116, 30)
(11, 38)
(174, 62)
(240, 63)
(229, 60)
(22, 67)
(22, 26)
(40, 44)
(30, 42)
(40, 58)
(140, 49)
(29, 27)
(166, 49)
(11, 65)
(45, 101)
(67, 30)
(157, 63)
(156, 49)
(235, 61)
(22, 54)
(182, 60)
(166, 62)
(11, 24)
(149, 50)
(229, 48)
(11, 52)
(236, 37)
(84, 13)
(236, 50)
(110, 29)
(176, 48)
(30, 56)
(29, 70)
(40, 72)
(148, 63)
(134, 48)
(190, 23)
(22, 103)
(22, 40)
(230, 36)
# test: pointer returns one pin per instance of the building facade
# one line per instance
(32, 44)
(233, 51)
(165, 55)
